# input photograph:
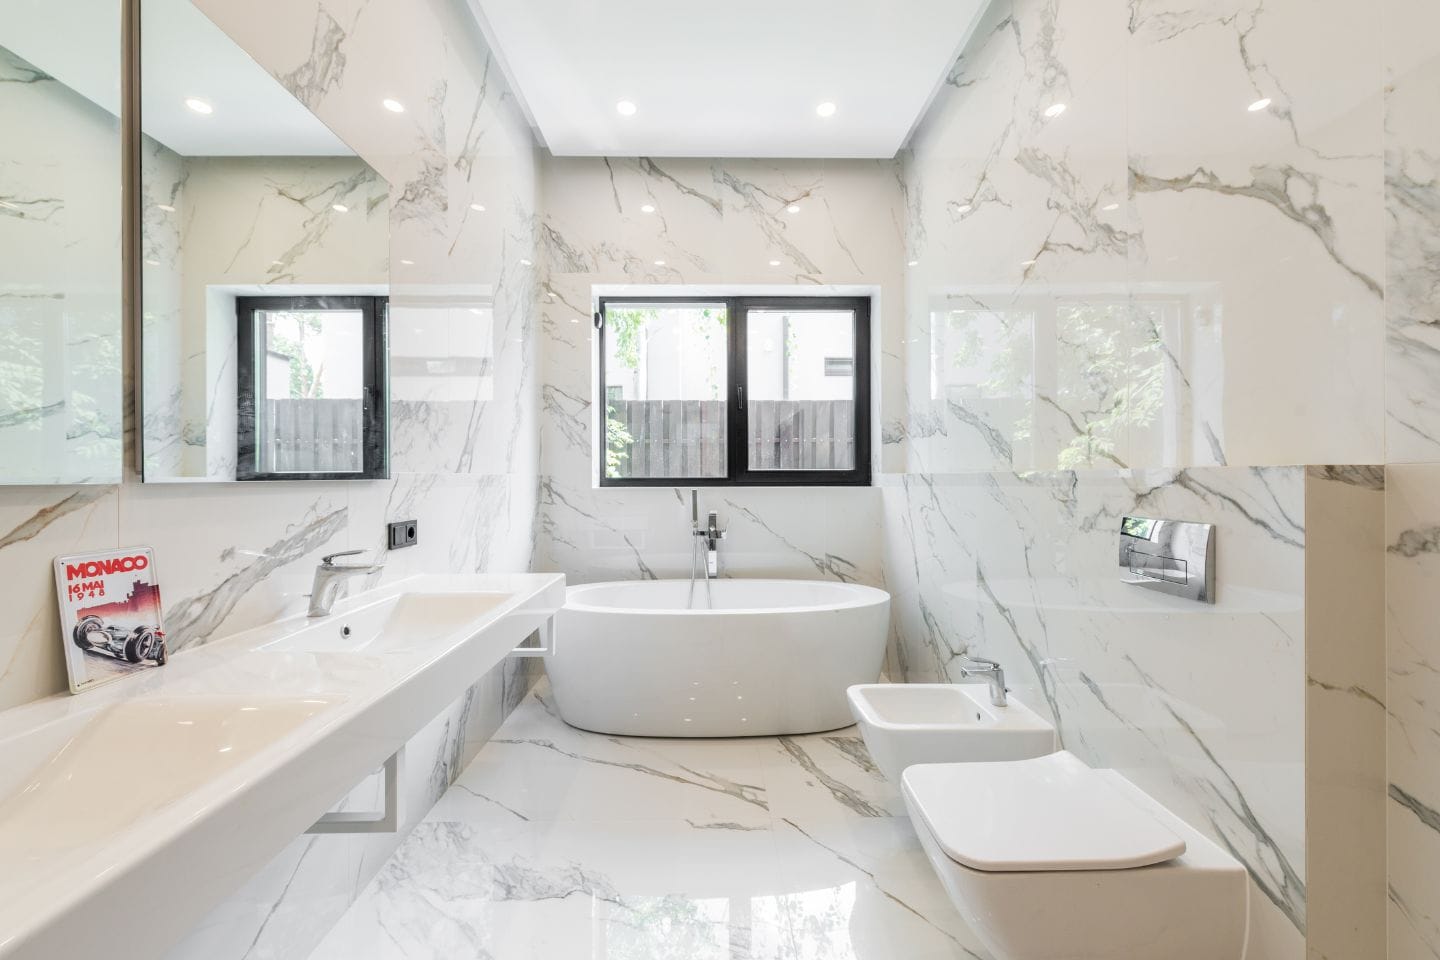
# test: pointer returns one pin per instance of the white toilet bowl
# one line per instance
(1047, 859)
(908, 723)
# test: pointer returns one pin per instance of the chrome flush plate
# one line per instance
(1172, 556)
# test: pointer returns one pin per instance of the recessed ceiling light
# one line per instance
(394, 106)
(793, 208)
(478, 207)
(198, 105)
(1110, 206)
(1259, 105)
(166, 207)
(659, 263)
(1054, 110)
(648, 208)
(408, 263)
(626, 108)
(774, 263)
(339, 208)
(826, 109)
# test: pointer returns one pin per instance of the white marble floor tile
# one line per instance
(556, 843)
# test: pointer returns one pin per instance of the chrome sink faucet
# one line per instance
(986, 671)
(328, 577)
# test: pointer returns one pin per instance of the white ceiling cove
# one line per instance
(734, 79)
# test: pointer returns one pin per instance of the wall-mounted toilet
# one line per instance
(908, 723)
(1047, 858)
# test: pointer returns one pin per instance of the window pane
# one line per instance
(311, 370)
(665, 388)
(800, 366)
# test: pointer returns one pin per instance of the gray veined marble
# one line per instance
(1020, 568)
(195, 619)
(581, 851)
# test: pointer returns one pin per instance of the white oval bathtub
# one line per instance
(764, 658)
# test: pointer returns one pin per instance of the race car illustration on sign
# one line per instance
(110, 614)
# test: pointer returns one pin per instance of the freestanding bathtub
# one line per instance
(757, 658)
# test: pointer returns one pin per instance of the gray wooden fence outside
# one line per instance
(313, 436)
(686, 438)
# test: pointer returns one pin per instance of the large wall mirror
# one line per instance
(265, 247)
(61, 203)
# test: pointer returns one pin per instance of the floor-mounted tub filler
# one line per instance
(752, 658)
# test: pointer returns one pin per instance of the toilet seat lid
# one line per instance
(1049, 813)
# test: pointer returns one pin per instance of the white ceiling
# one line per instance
(740, 78)
(184, 55)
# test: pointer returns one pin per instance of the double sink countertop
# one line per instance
(128, 812)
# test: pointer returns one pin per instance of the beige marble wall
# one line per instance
(1345, 712)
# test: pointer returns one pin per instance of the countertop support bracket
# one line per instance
(369, 821)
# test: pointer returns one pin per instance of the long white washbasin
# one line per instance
(392, 625)
(181, 783)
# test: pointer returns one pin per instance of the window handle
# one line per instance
(740, 396)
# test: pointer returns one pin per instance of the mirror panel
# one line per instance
(245, 194)
(61, 202)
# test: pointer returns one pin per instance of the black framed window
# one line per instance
(710, 391)
(313, 391)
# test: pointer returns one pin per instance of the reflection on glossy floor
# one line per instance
(557, 844)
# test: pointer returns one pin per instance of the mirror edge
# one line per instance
(131, 327)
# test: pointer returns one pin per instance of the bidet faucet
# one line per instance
(987, 671)
(328, 577)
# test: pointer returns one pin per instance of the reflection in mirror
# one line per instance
(312, 387)
(1074, 376)
(246, 194)
(60, 230)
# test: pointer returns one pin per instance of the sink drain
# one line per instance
(345, 631)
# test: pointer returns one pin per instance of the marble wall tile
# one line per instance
(1345, 711)
(1412, 564)
(1412, 211)
(1022, 568)
(38, 524)
(1076, 297)
(1300, 180)
(714, 222)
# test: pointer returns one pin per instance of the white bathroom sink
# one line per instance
(395, 624)
(909, 723)
(101, 773)
(222, 758)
